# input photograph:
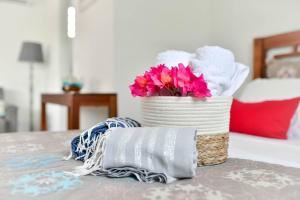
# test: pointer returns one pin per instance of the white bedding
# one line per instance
(283, 152)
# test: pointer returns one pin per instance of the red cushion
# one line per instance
(267, 119)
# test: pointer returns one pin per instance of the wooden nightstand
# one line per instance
(74, 101)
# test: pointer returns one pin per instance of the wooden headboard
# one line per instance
(263, 45)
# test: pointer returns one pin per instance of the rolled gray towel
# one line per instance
(150, 154)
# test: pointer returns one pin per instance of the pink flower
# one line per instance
(184, 75)
(152, 89)
(199, 88)
(179, 81)
(139, 86)
(136, 90)
(141, 81)
(165, 76)
(174, 74)
(185, 78)
(155, 75)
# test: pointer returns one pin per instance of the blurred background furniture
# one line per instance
(74, 101)
(263, 45)
(31, 52)
(8, 115)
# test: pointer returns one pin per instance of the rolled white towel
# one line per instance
(218, 66)
(215, 81)
(172, 58)
(222, 59)
(223, 75)
(237, 80)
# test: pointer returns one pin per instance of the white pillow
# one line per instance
(270, 89)
(275, 89)
(294, 129)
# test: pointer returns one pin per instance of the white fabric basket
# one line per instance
(209, 116)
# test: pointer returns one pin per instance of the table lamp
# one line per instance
(31, 53)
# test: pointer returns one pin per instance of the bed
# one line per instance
(284, 152)
(32, 168)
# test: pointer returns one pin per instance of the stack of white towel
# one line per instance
(223, 75)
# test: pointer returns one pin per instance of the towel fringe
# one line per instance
(95, 162)
(69, 156)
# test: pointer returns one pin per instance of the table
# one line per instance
(74, 101)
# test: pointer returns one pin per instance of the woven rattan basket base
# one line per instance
(212, 149)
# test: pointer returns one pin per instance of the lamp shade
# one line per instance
(31, 52)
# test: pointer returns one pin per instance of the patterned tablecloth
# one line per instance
(31, 168)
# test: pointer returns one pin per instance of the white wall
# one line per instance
(145, 28)
(235, 23)
(43, 22)
(93, 46)
(93, 53)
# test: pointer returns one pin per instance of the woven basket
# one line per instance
(210, 117)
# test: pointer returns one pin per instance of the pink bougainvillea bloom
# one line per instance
(139, 88)
(199, 88)
(141, 81)
(179, 81)
(154, 74)
(185, 78)
(185, 74)
(150, 87)
(160, 75)
(165, 76)
(182, 75)
(174, 72)
(136, 90)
